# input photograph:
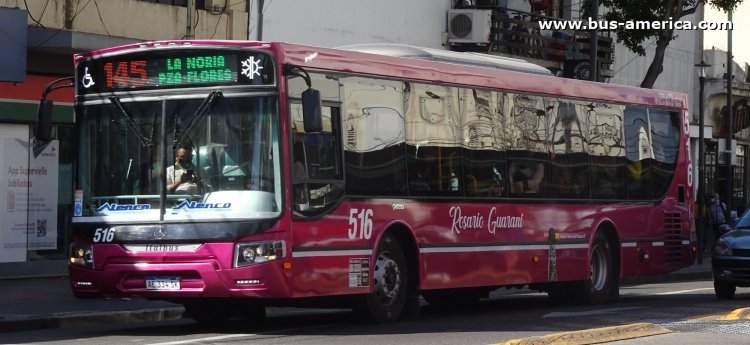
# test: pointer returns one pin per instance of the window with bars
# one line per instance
(711, 164)
(738, 185)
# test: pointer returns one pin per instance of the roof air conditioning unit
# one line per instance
(469, 26)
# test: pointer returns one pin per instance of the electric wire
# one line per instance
(57, 31)
(100, 18)
(32, 17)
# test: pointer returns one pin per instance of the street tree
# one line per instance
(622, 11)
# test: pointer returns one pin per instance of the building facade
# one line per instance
(716, 121)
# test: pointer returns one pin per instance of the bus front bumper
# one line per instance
(180, 280)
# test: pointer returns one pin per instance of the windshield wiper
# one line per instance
(207, 103)
(145, 141)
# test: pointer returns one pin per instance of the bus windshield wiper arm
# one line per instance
(207, 103)
(145, 141)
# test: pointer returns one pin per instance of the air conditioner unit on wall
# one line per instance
(214, 5)
(469, 26)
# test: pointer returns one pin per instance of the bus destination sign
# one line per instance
(174, 68)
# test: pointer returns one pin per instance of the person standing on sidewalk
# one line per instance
(717, 211)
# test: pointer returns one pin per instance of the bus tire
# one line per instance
(209, 312)
(387, 301)
(598, 288)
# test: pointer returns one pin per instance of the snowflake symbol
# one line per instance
(250, 67)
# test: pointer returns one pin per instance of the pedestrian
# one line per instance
(717, 211)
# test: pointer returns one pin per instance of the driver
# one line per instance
(182, 176)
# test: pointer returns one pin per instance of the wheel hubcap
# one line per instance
(598, 269)
(387, 279)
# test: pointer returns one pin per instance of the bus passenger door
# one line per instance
(317, 177)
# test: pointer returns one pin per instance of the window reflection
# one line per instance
(414, 139)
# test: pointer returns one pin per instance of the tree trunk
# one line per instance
(673, 9)
(657, 64)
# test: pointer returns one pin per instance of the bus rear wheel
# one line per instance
(601, 281)
(387, 301)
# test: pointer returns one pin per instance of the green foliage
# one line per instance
(649, 10)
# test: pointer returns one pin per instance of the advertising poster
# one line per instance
(43, 190)
(28, 194)
(14, 161)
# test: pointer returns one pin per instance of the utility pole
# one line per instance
(594, 45)
(189, 32)
(260, 20)
(729, 134)
(701, 218)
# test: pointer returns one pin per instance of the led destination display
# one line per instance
(174, 68)
(197, 69)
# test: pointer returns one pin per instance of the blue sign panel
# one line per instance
(13, 38)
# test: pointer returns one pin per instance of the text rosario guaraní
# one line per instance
(492, 221)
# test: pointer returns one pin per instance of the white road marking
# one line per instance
(682, 291)
(200, 340)
(228, 336)
(589, 312)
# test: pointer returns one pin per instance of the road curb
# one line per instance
(90, 318)
(594, 335)
(669, 278)
(737, 314)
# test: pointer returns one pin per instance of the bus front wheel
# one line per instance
(387, 301)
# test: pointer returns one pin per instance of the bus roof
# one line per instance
(461, 58)
(435, 70)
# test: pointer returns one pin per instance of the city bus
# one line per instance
(369, 177)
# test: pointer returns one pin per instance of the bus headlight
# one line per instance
(257, 252)
(81, 255)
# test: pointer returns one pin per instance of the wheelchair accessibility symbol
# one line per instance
(87, 80)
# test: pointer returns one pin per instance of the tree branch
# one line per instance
(689, 11)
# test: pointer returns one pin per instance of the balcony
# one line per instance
(511, 33)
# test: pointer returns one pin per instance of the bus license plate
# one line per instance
(162, 283)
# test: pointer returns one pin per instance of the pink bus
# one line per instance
(229, 176)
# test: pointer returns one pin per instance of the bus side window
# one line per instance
(526, 177)
(608, 177)
(422, 177)
(484, 173)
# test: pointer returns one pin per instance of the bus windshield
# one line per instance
(204, 157)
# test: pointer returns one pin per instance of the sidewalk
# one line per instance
(47, 302)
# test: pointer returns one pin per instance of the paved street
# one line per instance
(47, 302)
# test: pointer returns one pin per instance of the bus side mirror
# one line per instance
(311, 111)
(43, 128)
